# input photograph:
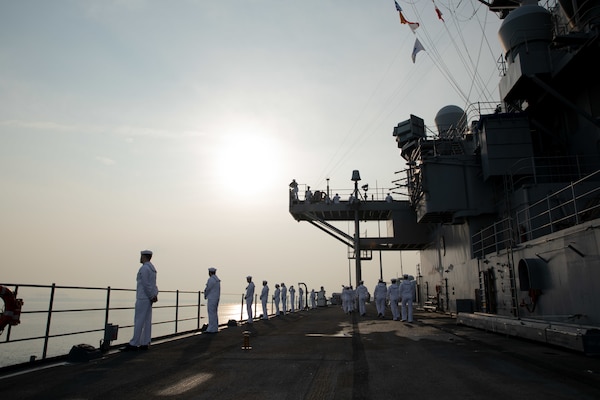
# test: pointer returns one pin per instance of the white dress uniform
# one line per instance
(380, 294)
(283, 298)
(346, 299)
(300, 299)
(394, 297)
(363, 295)
(292, 298)
(146, 290)
(212, 294)
(277, 298)
(406, 292)
(264, 298)
(249, 298)
(313, 299)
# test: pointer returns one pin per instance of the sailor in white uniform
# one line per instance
(212, 294)
(346, 299)
(277, 298)
(146, 293)
(249, 298)
(292, 292)
(363, 294)
(394, 298)
(321, 299)
(313, 299)
(406, 292)
(283, 298)
(380, 295)
(264, 298)
(300, 299)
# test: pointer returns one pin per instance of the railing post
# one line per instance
(176, 309)
(495, 226)
(255, 303)
(549, 206)
(199, 307)
(575, 204)
(46, 336)
(107, 307)
(242, 310)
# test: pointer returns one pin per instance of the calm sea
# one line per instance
(26, 341)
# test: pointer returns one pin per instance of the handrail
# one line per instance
(573, 204)
(53, 310)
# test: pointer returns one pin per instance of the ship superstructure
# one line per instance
(504, 203)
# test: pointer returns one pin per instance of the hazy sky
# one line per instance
(177, 126)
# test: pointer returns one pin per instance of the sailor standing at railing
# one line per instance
(292, 298)
(249, 298)
(212, 294)
(277, 298)
(300, 299)
(283, 298)
(146, 293)
(294, 190)
(264, 298)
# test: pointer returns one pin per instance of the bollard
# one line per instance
(246, 345)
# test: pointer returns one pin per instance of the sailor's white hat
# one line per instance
(212, 269)
(146, 252)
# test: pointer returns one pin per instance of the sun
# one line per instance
(247, 163)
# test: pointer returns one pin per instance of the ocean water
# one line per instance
(71, 313)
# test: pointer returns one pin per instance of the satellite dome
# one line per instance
(449, 120)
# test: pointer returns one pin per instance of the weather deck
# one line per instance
(324, 354)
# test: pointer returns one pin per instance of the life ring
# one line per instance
(12, 308)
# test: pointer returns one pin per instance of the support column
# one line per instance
(357, 246)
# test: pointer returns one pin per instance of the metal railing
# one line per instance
(59, 315)
(492, 239)
(573, 204)
(370, 194)
(172, 304)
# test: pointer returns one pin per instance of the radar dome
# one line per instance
(525, 28)
(449, 120)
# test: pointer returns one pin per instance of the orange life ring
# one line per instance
(12, 308)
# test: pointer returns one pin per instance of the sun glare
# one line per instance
(247, 164)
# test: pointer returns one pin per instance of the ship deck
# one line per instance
(323, 354)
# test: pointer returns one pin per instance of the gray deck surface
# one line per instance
(325, 354)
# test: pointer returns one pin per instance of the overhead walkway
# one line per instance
(403, 231)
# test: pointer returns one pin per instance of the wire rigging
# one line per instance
(409, 82)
